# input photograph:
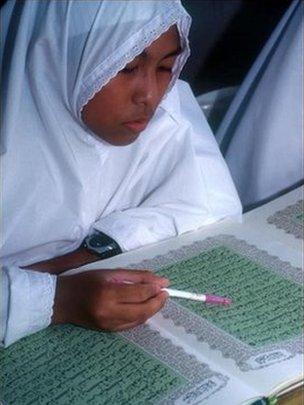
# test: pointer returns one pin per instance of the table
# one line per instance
(294, 398)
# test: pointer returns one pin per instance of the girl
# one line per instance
(104, 150)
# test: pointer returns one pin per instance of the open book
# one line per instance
(190, 353)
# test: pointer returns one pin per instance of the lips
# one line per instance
(136, 125)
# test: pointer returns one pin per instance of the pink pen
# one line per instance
(207, 298)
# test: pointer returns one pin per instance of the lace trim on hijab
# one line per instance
(142, 39)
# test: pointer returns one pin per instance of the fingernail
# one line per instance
(114, 280)
(165, 281)
(158, 288)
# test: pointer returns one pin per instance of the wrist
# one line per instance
(62, 301)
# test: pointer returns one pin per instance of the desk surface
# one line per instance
(294, 398)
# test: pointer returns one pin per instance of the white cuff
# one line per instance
(30, 302)
(122, 230)
(137, 227)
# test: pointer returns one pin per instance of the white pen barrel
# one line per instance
(185, 294)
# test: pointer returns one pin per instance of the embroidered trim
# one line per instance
(48, 297)
(144, 38)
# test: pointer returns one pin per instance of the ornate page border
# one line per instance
(202, 381)
(199, 381)
(246, 357)
(283, 219)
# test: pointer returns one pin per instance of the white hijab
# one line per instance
(60, 181)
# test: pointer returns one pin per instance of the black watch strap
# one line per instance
(102, 245)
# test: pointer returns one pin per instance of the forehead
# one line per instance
(168, 44)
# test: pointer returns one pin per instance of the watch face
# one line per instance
(103, 245)
(96, 242)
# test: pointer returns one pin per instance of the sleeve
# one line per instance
(186, 185)
(27, 302)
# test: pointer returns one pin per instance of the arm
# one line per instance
(57, 265)
(96, 246)
(98, 299)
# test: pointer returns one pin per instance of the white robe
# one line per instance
(261, 135)
(61, 182)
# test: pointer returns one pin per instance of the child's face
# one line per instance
(123, 107)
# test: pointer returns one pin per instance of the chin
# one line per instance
(124, 142)
(123, 138)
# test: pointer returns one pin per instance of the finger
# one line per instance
(143, 311)
(135, 293)
(137, 276)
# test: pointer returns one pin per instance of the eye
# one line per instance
(129, 69)
(165, 69)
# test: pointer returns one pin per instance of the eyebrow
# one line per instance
(176, 52)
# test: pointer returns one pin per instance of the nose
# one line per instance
(146, 91)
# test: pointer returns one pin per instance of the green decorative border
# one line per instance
(245, 356)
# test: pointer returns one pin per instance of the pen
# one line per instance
(207, 298)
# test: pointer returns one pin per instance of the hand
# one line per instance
(99, 299)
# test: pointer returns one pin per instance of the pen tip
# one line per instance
(215, 299)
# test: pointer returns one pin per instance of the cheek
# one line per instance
(164, 82)
(103, 110)
(107, 112)
(114, 104)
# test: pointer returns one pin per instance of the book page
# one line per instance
(72, 365)
(254, 345)
(289, 219)
(190, 353)
(262, 327)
